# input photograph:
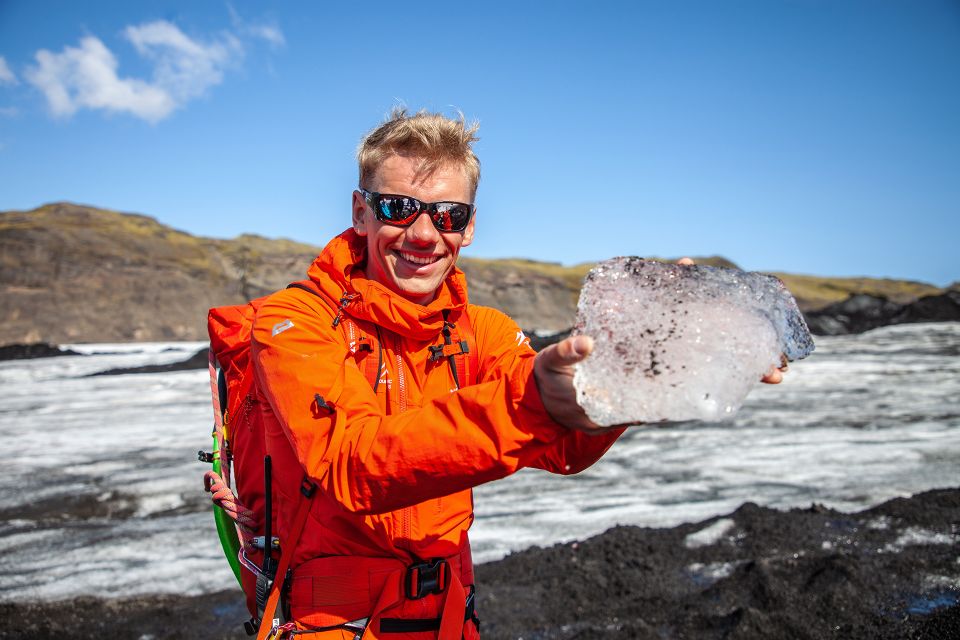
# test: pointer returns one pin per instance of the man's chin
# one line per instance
(422, 292)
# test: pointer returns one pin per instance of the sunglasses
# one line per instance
(402, 211)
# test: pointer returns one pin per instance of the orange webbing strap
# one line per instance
(468, 365)
(307, 491)
(454, 607)
(466, 374)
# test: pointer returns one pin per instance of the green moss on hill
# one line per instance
(817, 292)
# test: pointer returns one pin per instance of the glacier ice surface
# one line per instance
(677, 342)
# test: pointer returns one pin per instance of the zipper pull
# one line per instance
(344, 303)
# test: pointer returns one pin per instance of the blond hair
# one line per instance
(433, 138)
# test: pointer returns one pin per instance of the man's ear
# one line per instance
(468, 232)
(359, 213)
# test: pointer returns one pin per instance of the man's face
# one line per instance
(412, 261)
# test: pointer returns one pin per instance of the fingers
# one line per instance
(774, 376)
(553, 371)
(575, 348)
(567, 352)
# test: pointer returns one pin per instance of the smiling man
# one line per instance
(381, 386)
(414, 260)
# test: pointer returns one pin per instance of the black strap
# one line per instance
(308, 289)
(447, 339)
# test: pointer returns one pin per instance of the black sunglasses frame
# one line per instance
(374, 198)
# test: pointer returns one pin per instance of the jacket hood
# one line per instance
(338, 271)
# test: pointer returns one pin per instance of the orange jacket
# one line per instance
(396, 467)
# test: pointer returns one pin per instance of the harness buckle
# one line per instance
(308, 487)
(447, 350)
(426, 578)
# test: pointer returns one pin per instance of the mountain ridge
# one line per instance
(77, 273)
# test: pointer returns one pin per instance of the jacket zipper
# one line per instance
(401, 382)
(406, 515)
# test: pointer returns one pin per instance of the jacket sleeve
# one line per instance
(503, 345)
(371, 462)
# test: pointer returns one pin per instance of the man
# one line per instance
(384, 552)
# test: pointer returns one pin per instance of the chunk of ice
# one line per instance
(676, 343)
(709, 535)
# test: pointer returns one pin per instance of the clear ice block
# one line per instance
(675, 343)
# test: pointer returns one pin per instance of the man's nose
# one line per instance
(422, 230)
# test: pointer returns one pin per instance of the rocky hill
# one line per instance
(77, 274)
(71, 273)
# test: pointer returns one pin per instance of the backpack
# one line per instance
(239, 480)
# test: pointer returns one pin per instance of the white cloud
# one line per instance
(6, 74)
(184, 67)
(86, 76)
(268, 31)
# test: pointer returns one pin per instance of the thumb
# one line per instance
(568, 352)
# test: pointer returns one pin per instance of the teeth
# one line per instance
(409, 257)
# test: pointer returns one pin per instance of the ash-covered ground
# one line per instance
(892, 571)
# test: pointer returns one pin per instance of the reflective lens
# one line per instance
(402, 211)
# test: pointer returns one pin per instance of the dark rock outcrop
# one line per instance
(862, 312)
(33, 350)
(538, 342)
(199, 360)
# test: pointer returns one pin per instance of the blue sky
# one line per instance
(802, 136)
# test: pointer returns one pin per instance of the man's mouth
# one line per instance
(418, 260)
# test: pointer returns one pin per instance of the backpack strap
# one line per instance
(307, 491)
(457, 338)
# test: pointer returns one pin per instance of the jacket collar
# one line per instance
(338, 271)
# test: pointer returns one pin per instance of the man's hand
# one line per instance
(553, 371)
(775, 375)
